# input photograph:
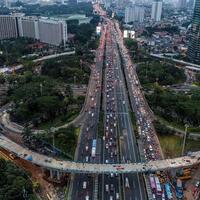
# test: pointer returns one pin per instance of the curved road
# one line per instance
(75, 167)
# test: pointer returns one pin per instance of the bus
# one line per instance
(152, 183)
(158, 187)
(94, 146)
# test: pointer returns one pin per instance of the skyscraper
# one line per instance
(134, 13)
(194, 42)
(51, 31)
(182, 4)
(156, 10)
(8, 27)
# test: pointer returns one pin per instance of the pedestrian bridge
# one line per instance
(75, 167)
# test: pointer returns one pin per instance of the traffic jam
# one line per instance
(111, 181)
(146, 131)
(88, 147)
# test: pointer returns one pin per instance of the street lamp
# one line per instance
(184, 140)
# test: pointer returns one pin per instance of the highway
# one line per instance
(110, 182)
(150, 146)
(116, 155)
(83, 186)
(132, 183)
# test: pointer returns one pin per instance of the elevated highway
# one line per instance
(75, 167)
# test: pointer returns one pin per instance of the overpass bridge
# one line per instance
(63, 166)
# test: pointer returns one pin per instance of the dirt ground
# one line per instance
(191, 192)
(46, 188)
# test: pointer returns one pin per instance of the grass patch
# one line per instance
(101, 124)
(66, 140)
(59, 121)
(172, 145)
(177, 125)
(133, 121)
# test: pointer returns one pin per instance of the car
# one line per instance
(111, 187)
(107, 188)
(86, 159)
(107, 161)
(117, 195)
(86, 197)
(84, 184)
(197, 184)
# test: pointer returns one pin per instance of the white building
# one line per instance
(52, 31)
(8, 27)
(134, 13)
(182, 4)
(156, 10)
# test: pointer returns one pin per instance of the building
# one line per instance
(182, 4)
(134, 13)
(50, 31)
(8, 27)
(28, 27)
(194, 42)
(156, 10)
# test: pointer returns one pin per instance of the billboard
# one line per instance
(98, 30)
(125, 34)
(129, 34)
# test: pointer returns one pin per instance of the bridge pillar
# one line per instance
(58, 175)
(51, 174)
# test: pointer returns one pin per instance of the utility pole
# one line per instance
(74, 80)
(41, 89)
(184, 140)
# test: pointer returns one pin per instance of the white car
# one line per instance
(87, 197)
(84, 184)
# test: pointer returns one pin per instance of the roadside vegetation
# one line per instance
(40, 99)
(14, 183)
(67, 69)
(9, 55)
(137, 53)
(171, 143)
(162, 73)
(50, 10)
(65, 140)
(179, 108)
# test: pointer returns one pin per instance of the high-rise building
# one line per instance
(134, 13)
(182, 4)
(156, 10)
(51, 31)
(8, 27)
(194, 42)
(28, 27)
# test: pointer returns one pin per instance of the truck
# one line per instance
(179, 189)
(168, 191)
(127, 183)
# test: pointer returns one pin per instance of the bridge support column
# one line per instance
(58, 173)
(51, 174)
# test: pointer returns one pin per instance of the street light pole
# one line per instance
(184, 140)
